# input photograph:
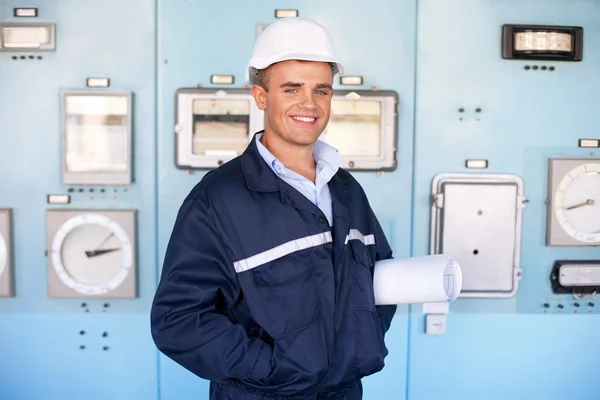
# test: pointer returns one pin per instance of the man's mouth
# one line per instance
(304, 119)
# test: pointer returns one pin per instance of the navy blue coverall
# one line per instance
(261, 297)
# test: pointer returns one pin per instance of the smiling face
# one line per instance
(296, 100)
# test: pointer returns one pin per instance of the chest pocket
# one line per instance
(283, 293)
(364, 296)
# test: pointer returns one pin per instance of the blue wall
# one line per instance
(438, 55)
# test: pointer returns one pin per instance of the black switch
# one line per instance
(546, 305)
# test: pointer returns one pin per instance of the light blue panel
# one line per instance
(526, 116)
(501, 356)
(197, 39)
(94, 39)
(46, 360)
(41, 358)
(498, 349)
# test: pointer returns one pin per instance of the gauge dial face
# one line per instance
(92, 254)
(577, 203)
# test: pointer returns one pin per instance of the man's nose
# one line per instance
(308, 100)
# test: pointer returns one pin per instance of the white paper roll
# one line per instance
(424, 279)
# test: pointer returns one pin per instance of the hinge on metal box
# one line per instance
(438, 200)
(518, 273)
(521, 201)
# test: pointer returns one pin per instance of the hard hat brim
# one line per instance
(258, 63)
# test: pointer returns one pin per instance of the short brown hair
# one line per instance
(263, 78)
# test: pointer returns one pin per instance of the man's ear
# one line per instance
(260, 97)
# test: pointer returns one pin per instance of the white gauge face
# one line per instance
(92, 254)
(354, 128)
(3, 254)
(577, 203)
(96, 134)
(220, 126)
(553, 41)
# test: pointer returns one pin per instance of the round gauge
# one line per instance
(92, 254)
(577, 203)
(3, 254)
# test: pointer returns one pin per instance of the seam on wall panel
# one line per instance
(156, 181)
(413, 185)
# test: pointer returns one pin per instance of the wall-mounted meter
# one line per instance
(6, 258)
(476, 219)
(573, 215)
(214, 126)
(96, 138)
(363, 128)
(91, 253)
(27, 37)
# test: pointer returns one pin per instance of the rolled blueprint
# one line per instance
(424, 279)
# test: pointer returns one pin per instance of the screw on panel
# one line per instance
(551, 68)
(104, 334)
(527, 68)
(105, 348)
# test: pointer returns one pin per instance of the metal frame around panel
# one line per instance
(97, 178)
(437, 201)
(7, 271)
(184, 98)
(47, 47)
(387, 159)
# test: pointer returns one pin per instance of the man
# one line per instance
(267, 284)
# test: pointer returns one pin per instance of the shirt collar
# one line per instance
(326, 156)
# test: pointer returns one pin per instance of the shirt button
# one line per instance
(323, 220)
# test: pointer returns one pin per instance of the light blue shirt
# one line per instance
(328, 162)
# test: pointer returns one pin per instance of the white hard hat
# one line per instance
(292, 38)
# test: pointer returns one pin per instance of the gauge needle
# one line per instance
(588, 202)
(106, 240)
(94, 253)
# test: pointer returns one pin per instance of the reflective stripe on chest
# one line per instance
(297, 245)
